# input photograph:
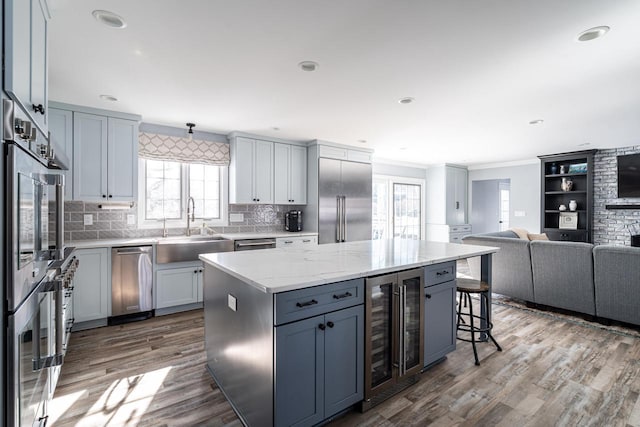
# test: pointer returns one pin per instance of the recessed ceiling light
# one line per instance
(536, 122)
(308, 65)
(275, 128)
(108, 98)
(362, 141)
(403, 148)
(592, 33)
(109, 19)
(584, 144)
(407, 100)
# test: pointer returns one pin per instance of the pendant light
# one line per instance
(190, 131)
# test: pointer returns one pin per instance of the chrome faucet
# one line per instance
(165, 232)
(191, 210)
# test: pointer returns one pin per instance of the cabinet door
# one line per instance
(89, 157)
(282, 173)
(39, 89)
(298, 175)
(343, 359)
(177, 286)
(91, 285)
(461, 196)
(299, 383)
(263, 175)
(242, 171)
(122, 160)
(18, 49)
(200, 283)
(61, 129)
(439, 321)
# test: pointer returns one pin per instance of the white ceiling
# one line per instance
(479, 70)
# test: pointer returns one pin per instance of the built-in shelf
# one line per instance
(619, 207)
(558, 210)
(565, 192)
(561, 175)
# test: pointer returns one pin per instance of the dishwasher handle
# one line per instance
(242, 245)
(132, 251)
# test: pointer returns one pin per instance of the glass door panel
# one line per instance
(413, 314)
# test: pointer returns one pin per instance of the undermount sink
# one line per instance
(182, 249)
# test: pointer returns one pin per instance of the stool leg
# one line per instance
(473, 334)
(459, 310)
(485, 298)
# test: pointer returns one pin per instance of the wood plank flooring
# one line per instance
(552, 371)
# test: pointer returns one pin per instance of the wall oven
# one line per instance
(37, 268)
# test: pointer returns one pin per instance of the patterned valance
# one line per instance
(164, 147)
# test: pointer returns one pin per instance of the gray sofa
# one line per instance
(617, 283)
(602, 281)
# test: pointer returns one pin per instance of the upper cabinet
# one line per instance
(61, 132)
(105, 158)
(449, 184)
(25, 59)
(290, 164)
(267, 172)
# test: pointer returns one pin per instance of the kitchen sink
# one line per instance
(182, 249)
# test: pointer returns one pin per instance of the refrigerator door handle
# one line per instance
(401, 360)
(338, 219)
(344, 218)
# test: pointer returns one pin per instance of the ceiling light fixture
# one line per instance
(406, 100)
(362, 141)
(308, 65)
(536, 122)
(584, 144)
(190, 131)
(593, 33)
(109, 19)
(108, 98)
(275, 128)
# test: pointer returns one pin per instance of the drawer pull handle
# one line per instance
(345, 295)
(442, 273)
(287, 242)
(306, 304)
(306, 241)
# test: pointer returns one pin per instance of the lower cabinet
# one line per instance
(92, 285)
(439, 314)
(178, 286)
(297, 241)
(319, 366)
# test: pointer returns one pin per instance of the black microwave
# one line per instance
(293, 221)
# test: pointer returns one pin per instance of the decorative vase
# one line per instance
(567, 184)
(562, 208)
(573, 205)
(562, 169)
(554, 169)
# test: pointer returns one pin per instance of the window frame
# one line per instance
(184, 194)
(389, 181)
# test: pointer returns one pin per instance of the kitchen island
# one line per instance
(290, 333)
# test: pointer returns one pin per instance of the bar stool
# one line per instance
(465, 288)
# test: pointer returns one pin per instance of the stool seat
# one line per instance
(471, 286)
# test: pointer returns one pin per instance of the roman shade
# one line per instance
(178, 149)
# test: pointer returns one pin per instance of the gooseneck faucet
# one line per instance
(191, 210)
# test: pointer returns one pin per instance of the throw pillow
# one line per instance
(542, 236)
(521, 232)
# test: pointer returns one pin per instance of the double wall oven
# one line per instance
(38, 269)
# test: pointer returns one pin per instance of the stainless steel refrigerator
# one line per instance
(344, 201)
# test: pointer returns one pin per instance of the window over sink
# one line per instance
(165, 186)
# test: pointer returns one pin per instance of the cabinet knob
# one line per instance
(330, 324)
(110, 196)
(257, 200)
(195, 271)
(322, 327)
(104, 196)
(428, 296)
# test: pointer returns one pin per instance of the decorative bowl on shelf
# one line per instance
(562, 208)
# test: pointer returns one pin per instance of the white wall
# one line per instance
(525, 191)
(399, 170)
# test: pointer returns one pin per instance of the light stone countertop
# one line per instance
(91, 244)
(286, 269)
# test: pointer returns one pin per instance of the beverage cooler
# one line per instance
(394, 339)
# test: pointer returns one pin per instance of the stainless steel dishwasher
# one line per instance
(131, 284)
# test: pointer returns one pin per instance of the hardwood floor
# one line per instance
(552, 371)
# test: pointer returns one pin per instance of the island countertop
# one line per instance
(286, 269)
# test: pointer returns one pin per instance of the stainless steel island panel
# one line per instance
(239, 344)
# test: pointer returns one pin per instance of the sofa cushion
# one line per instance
(533, 236)
(563, 275)
(521, 233)
(506, 233)
(511, 265)
(617, 282)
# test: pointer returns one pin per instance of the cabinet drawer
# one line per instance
(283, 242)
(567, 235)
(439, 273)
(303, 303)
(459, 228)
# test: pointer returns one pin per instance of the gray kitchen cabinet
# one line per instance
(26, 76)
(61, 130)
(178, 286)
(297, 241)
(319, 366)
(439, 312)
(290, 174)
(250, 171)
(105, 158)
(92, 283)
